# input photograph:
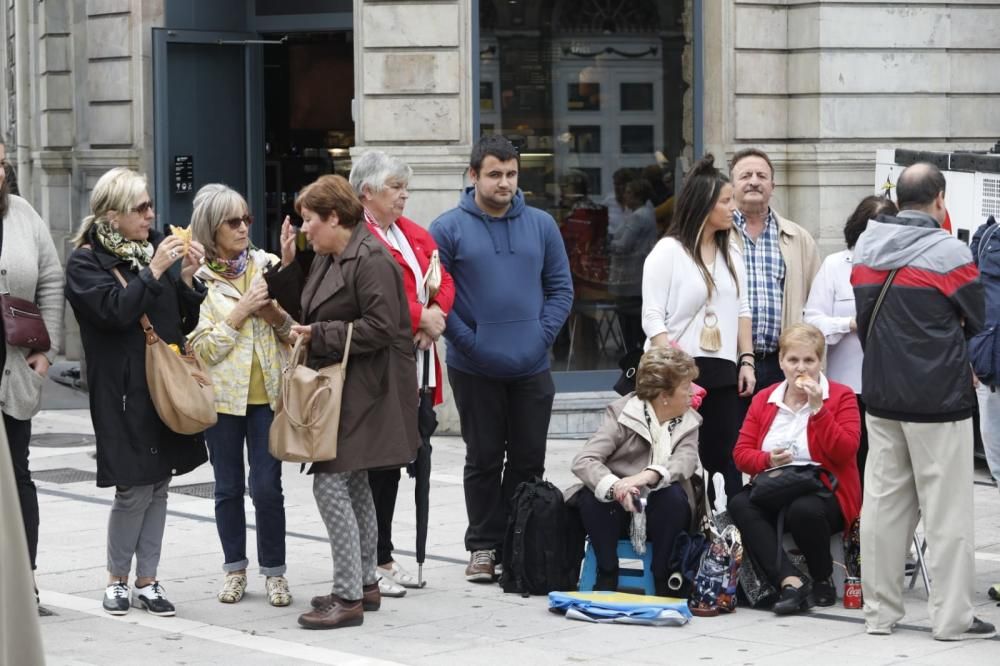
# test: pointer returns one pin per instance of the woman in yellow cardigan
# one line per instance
(238, 336)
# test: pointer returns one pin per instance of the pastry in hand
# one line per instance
(803, 380)
(184, 233)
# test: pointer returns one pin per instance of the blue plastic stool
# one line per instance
(631, 578)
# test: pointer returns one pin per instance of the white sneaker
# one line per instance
(398, 575)
(390, 588)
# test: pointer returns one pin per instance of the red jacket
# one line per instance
(834, 434)
(423, 245)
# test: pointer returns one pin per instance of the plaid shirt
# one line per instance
(766, 275)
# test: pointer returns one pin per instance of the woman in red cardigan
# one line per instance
(381, 183)
(804, 420)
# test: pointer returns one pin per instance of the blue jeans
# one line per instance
(225, 447)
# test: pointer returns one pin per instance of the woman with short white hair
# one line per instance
(238, 337)
(381, 181)
(136, 452)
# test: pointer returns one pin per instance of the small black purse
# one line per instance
(775, 488)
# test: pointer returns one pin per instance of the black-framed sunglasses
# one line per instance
(143, 207)
(235, 222)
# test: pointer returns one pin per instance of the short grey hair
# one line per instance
(213, 204)
(375, 169)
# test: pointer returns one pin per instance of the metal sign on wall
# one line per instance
(183, 174)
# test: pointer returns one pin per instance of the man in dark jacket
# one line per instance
(918, 390)
(514, 292)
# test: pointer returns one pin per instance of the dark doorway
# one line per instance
(308, 125)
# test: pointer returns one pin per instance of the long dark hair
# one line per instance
(870, 207)
(695, 203)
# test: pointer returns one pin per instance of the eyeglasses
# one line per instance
(235, 222)
(143, 207)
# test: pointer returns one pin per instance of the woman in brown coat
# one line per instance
(637, 468)
(352, 279)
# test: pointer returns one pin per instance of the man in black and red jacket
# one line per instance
(918, 389)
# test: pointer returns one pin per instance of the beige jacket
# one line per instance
(20, 636)
(622, 447)
(801, 257)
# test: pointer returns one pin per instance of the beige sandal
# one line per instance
(233, 589)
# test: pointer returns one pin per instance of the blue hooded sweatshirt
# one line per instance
(513, 287)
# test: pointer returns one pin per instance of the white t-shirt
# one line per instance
(674, 296)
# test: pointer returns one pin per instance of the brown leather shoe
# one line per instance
(371, 601)
(340, 613)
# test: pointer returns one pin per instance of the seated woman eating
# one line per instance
(645, 451)
(804, 420)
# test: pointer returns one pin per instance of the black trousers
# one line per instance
(385, 486)
(722, 414)
(667, 515)
(810, 519)
(504, 424)
(18, 438)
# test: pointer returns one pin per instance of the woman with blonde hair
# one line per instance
(238, 337)
(352, 281)
(136, 452)
(809, 420)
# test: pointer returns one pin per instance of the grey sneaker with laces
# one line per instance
(116, 599)
(482, 567)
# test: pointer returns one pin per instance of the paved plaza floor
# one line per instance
(448, 622)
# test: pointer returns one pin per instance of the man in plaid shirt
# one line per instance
(781, 260)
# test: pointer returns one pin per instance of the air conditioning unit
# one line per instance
(973, 192)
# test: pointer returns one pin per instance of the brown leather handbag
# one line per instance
(23, 324)
(307, 417)
(178, 383)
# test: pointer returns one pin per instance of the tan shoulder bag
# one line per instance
(307, 416)
(178, 383)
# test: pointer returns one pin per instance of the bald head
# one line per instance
(919, 187)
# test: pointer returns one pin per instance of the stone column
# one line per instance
(414, 100)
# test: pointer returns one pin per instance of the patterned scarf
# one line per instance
(136, 253)
(231, 268)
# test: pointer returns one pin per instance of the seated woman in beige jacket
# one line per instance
(638, 467)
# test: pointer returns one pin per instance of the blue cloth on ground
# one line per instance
(621, 608)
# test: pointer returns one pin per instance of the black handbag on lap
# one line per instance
(775, 488)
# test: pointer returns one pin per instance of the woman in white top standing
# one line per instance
(694, 296)
(830, 308)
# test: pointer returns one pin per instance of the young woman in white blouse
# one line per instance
(694, 296)
(830, 308)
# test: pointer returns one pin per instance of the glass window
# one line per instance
(585, 139)
(592, 92)
(637, 139)
(637, 96)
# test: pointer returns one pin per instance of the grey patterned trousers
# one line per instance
(345, 503)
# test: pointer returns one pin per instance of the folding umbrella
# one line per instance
(420, 468)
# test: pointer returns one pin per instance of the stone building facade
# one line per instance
(819, 84)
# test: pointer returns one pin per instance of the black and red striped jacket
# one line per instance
(916, 367)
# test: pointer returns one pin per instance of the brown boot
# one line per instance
(371, 601)
(339, 613)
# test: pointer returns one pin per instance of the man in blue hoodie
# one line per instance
(514, 292)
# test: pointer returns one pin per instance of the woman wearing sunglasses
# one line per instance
(137, 453)
(238, 337)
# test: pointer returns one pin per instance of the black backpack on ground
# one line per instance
(540, 548)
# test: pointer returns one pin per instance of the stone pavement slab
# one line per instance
(450, 621)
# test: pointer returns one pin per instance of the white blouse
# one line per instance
(830, 308)
(789, 430)
(674, 293)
